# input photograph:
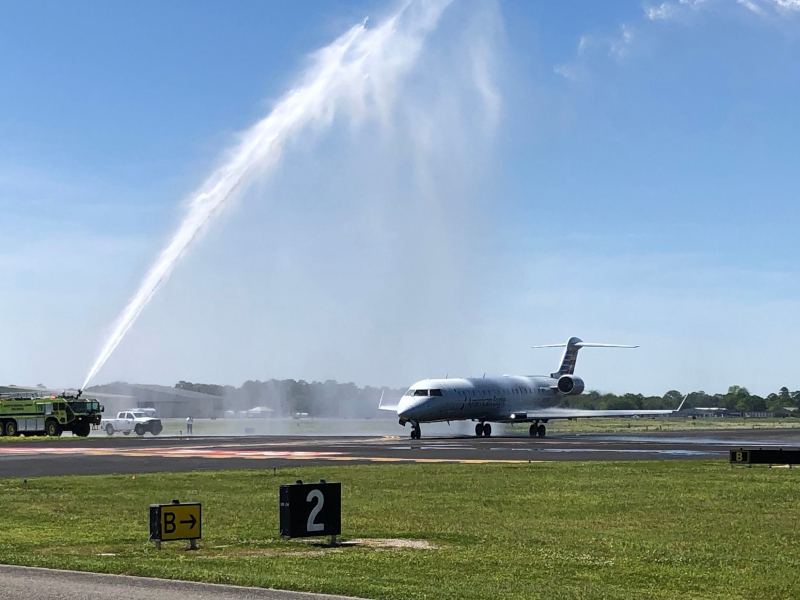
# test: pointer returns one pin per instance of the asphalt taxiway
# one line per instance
(50, 584)
(93, 456)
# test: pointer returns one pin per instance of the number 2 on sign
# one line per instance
(311, 525)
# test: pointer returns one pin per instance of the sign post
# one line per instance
(311, 509)
(176, 521)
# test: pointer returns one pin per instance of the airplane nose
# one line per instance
(410, 408)
(403, 410)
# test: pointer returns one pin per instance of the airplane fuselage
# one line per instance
(496, 399)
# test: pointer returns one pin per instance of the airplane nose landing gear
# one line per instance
(416, 432)
(483, 429)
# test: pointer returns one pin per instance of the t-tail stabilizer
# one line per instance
(567, 366)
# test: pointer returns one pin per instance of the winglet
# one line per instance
(382, 407)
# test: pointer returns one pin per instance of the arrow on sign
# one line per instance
(192, 521)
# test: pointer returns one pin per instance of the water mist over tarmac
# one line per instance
(356, 74)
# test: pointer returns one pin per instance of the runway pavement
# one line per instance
(148, 454)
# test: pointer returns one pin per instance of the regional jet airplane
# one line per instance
(507, 399)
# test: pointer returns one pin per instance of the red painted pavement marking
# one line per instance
(168, 452)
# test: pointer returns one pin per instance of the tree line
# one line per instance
(347, 400)
(736, 398)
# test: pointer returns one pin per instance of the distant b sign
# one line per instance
(176, 521)
(310, 509)
(740, 456)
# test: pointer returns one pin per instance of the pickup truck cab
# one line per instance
(132, 420)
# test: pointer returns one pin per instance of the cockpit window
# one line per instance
(410, 392)
(420, 392)
(436, 392)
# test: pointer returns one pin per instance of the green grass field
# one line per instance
(667, 529)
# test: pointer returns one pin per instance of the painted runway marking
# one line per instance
(169, 452)
(247, 454)
(443, 447)
(637, 451)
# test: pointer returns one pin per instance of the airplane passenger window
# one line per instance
(420, 392)
(436, 392)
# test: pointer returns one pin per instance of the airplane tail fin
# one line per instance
(571, 348)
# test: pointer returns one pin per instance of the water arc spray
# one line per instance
(355, 73)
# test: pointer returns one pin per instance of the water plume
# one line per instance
(356, 74)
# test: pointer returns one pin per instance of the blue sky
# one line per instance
(621, 171)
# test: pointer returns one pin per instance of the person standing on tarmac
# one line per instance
(189, 423)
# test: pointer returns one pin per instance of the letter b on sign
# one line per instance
(740, 456)
(169, 522)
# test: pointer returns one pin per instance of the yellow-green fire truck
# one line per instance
(53, 415)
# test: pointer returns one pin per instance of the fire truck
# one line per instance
(28, 414)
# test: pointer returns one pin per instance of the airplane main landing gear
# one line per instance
(483, 429)
(416, 432)
(538, 430)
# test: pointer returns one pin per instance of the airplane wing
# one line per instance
(576, 413)
(383, 406)
(579, 413)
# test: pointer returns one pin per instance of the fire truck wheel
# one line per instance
(2, 428)
(51, 428)
(81, 429)
(11, 428)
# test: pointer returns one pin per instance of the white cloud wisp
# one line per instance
(619, 46)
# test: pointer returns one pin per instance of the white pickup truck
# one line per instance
(132, 420)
